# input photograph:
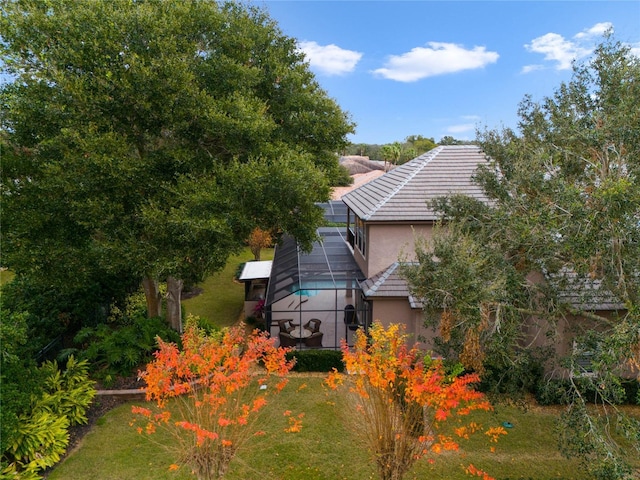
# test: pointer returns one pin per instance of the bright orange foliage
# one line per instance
(403, 397)
(209, 393)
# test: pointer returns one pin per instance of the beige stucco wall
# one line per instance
(398, 310)
(387, 242)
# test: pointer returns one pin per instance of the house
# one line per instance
(386, 215)
(352, 276)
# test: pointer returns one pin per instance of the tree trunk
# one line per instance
(174, 307)
(153, 296)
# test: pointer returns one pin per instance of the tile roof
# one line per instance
(389, 283)
(583, 293)
(402, 193)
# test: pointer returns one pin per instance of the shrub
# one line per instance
(513, 379)
(40, 436)
(316, 360)
(117, 350)
(557, 391)
(216, 395)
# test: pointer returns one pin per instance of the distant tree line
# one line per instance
(401, 152)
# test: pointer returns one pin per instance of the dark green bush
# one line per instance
(553, 392)
(512, 378)
(316, 360)
(556, 391)
(631, 391)
(115, 351)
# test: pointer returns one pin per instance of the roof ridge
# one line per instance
(423, 162)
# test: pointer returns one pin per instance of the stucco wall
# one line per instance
(398, 310)
(386, 242)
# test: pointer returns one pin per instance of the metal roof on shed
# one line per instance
(256, 270)
(402, 194)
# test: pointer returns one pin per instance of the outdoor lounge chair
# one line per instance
(315, 340)
(286, 325)
(313, 325)
(287, 340)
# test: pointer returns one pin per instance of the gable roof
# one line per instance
(402, 193)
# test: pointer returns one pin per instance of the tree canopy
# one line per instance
(147, 139)
(559, 236)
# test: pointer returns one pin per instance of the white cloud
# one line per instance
(330, 59)
(531, 68)
(596, 31)
(436, 59)
(635, 49)
(461, 128)
(562, 51)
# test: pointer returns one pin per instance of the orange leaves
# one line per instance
(471, 470)
(494, 433)
(403, 397)
(295, 423)
(214, 388)
(334, 379)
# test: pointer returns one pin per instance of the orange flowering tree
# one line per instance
(209, 394)
(403, 397)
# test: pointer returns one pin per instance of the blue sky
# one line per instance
(444, 68)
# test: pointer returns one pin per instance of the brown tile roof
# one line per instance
(402, 193)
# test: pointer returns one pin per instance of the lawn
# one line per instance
(324, 449)
(222, 299)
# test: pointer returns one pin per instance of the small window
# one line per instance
(582, 360)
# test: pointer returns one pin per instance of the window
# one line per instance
(360, 238)
(582, 360)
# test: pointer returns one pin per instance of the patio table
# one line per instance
(300, 332)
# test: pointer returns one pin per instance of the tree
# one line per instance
(449, 140)
(391, 152)
(208, 395)
(564, 201)
(421, 144)
(258, 240)
(124, 126)
(402, 398)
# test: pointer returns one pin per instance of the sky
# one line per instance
(445, 68)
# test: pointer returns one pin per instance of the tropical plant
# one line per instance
(42, 432)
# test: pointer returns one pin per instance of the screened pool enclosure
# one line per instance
(314, 299)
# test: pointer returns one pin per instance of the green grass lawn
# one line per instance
(324, 449)
(222, 299)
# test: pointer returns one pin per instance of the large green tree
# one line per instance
(560, 235)
(143, 141)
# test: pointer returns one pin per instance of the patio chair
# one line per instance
(287, 340)
(315, 340)
(286, 325)
(313, 325)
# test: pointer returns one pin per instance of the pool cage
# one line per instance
(314, 300)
